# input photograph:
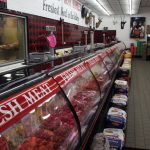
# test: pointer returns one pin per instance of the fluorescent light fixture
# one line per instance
(8, 79)
(56, 108)
(45, 117)
(103, 8)
(7, 75)
(68, 93)
(130, 3)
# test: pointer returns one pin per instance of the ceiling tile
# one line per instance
(118, 6)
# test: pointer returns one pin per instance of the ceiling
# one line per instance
(115, 7)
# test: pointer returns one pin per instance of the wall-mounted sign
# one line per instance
(69, 10)
(137, 26)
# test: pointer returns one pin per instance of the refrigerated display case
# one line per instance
(100, 72)
(38, 118)
(81, 89)
(112, 55)
(57, 111)
(107, 62)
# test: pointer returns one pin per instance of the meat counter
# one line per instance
(57, 112)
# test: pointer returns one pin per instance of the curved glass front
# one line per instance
(84, 95)
(51, 126)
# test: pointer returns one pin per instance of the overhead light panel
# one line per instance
(130, 3)
(103, 8)
(135, 6)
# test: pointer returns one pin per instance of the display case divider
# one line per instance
(72, 110)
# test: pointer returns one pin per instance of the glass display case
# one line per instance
(81, 89)
(116, 51)
(100, 72)
(55, 112)
(47, 123)
(13, 41)
(107, 62)
(112, 55)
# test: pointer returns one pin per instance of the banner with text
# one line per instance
(69, 10)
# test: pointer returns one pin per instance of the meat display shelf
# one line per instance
(58, 110)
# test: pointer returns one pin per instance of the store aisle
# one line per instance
(138, 126)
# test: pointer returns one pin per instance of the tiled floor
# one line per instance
(138, 125)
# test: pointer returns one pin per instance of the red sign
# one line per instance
(93, 61)
(109, 50)
(15, 107)
(103, 55)
(71, 74)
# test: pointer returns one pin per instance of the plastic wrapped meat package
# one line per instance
(100, 142)
(121, 86)
(120, 100)
(50, 126)
(83, 97)
(116, 118)
(115, 137)
(123, 72)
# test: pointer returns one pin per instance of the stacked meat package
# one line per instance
(125, 69)
(120, 101)
(115, 137)
(121, 86)
(100, 142)
(117, 116)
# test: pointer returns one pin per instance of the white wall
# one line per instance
(124, 34)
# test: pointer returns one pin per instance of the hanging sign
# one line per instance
(69, 10)
(71, 74)
(93, 61)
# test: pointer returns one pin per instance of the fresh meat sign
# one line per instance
(71, 74)
(15, 107)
